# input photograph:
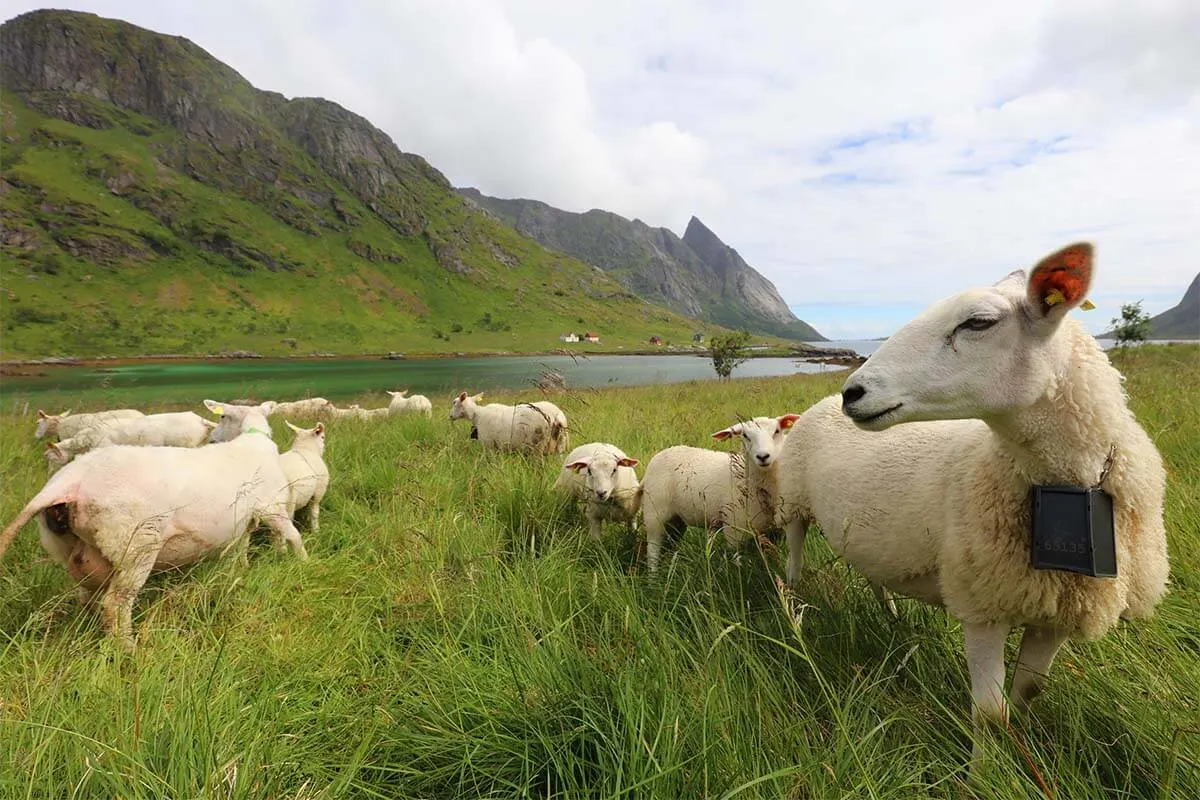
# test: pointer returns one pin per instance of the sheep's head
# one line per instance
(762, 437)
(463, 406)
(313, 434)
(979, 354)
(47, 423)
(600, 472)
(236, 420)
(57, 455)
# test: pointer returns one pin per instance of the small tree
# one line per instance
(1132, 326)
(728, 350)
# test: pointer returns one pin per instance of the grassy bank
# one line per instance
(455, 634)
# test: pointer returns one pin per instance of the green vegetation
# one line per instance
(1132, 326)
(455, 634)
(727, 351)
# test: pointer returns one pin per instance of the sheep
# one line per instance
(524, 427)
(114, 515)
(920, 473)
(308, 407)
(602, 476)
(307, 475)
(174, 429)
(417, 404)
(66, 424)
(734, 492)
(355, 412)
(558, 424)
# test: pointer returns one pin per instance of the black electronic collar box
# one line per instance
(1073, 531)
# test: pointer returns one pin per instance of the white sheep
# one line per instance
(1004, 393)
(602, 476)
(559, 431)
(173, 429)
(66, 424)
(116, 514)
(733, 492)
(307, 475)
(308, 407)
(355, 411)
(417, 404)
(522, 427)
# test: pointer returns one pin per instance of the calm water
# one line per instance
(339, 379)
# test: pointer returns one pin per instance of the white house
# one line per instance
(569, 337)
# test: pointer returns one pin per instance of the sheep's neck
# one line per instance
(1066, 436)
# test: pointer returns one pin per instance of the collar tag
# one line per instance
(252, 429)
(1073, 531)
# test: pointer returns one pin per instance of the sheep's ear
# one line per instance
(319, 429)
(787, 421)
(51, 446)
(462, 398)
(400, 393)
(295, 428)
(43, 414)
(627, 462)
(208, 423)
(214, 407)
(1060, 282)
(268, 407)
(732, 430)
(478, 397)
(576, 466)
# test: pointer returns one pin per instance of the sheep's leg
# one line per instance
(796, 531)
(984, 646)
(314, 516)
(654, 538)
(1038, 648)
(123, 587)
(282, 526)
(595, 524)
(886, 600)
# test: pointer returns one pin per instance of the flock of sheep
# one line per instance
(1009, 394)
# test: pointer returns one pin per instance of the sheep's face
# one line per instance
(981, 354)
(762, 437)
(600, 473)
(56, 455)
(463, 406)
(47, 423)
(313, 434)
(236, 420)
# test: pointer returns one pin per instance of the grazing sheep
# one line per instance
(602, 476)
(734, 492)
(355, 411)
(1003, 393)
(307, 475)
(559, 431)
(66, 424)
(114, 515)
(522, 427)
(417, 404)
(174, 429)
(308, 407)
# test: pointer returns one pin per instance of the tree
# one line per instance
(728, 350)
(1132, 326)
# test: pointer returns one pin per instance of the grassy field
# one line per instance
(456, 634)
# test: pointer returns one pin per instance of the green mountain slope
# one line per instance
(696, 274)
(152, 200)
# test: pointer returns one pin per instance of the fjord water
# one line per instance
(161, 382)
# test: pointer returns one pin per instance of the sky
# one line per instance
(868, 158)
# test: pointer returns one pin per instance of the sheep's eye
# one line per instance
(976, 324)
(614, 472)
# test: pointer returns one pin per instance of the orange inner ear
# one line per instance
(1067, 272)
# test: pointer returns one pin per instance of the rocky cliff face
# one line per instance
(1181, 321)
(697, 275)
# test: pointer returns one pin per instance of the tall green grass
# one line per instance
(456, 634)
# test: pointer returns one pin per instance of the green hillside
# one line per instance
(153, 201)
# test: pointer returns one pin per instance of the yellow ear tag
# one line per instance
(1054, 297)
(218, 411)
(1087, 305)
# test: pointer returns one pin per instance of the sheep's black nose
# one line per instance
(852, 394)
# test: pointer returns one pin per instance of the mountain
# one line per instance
(698, 275)
(152, 201)
(1180, 322)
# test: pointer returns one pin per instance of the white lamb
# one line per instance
(308, 407)
(307, 475)
(522, 427)
(602, 476)
(116, 514)
(417, 404)
(733, 492)
(66, 424)
(173, 429)
(941, 510)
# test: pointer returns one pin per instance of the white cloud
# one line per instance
(851, 151)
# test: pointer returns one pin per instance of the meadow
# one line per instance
(455, 634)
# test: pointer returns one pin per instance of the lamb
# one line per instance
(66, 425)
(1003, 393)
(175, 429)
(602, 476)
(417, 404)
(524, 427)
(307, 475)
(734, 492)
(114, 515)
(308, 407)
